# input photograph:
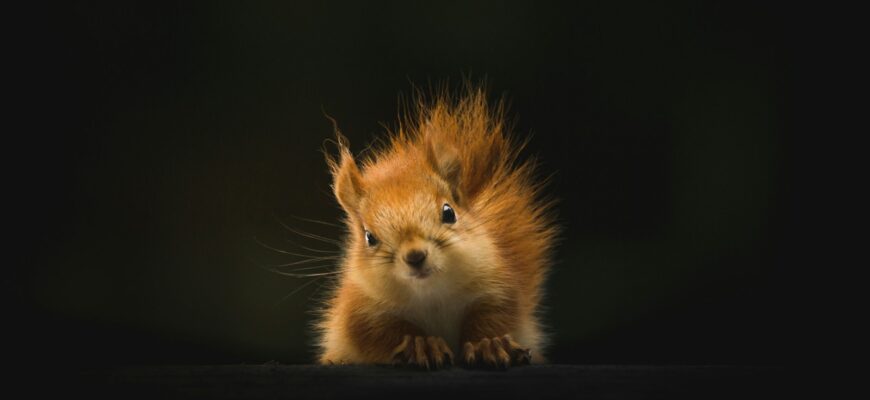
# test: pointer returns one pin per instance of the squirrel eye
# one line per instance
(448, 216)
(371, 240)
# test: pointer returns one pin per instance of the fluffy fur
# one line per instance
(481, 285)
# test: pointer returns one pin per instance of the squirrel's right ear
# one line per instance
(444, 160)
(347, 179)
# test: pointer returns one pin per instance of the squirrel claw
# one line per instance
(423, 353)
(497, 352)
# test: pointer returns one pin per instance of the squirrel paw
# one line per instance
(423, 352)
(498, 352)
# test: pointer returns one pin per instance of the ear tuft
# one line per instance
(347, 179)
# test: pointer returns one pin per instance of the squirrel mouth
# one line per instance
(421, 273)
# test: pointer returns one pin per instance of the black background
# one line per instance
(169, 137)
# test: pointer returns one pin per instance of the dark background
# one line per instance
(173, 135)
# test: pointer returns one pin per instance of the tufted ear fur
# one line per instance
(347, 179)
(444, 160)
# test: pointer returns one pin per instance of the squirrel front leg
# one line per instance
(486, 340)
(383, 339)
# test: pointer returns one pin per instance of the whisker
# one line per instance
(313, 249)
(311, 235)
(285, 251)
(295, 291)
(295, 275)
(314, 267)
(316, 221)
(274, 268)
(317, 289)
(313, 260)
(448, 243)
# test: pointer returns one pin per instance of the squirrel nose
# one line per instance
(415, 258)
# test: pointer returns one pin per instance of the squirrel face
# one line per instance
(411, 236)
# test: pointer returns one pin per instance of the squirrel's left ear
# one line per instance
(444, 160)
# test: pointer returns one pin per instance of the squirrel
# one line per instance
(449, 244)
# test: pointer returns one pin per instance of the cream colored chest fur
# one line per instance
(439, 314)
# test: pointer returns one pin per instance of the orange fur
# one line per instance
(483, 274)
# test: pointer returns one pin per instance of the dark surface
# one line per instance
(534, 382)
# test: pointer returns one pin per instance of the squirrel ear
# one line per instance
(444, 160)
(347, 179)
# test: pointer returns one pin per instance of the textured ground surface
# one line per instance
(533, 382)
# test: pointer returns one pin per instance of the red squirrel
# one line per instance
(449, 244)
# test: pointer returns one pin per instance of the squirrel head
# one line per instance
(411, 232)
